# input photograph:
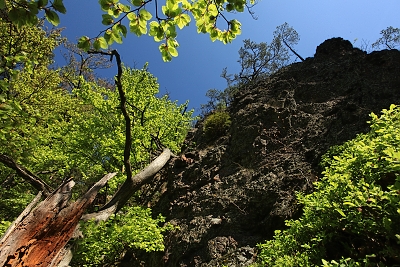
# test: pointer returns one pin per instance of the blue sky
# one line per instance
(200, 61)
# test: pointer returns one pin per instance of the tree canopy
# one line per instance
(64, 124)
(159, 20)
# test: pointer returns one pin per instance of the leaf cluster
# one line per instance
(24, 47)
(105, 242)
(163, 27)
(24, 12)
(58, 133)
(352, 218)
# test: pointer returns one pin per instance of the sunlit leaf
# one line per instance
(52, 17)
(144, 14)
(84, 43)
(100, 43)
(173, 51)
(131, 16)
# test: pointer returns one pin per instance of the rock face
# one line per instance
(229, 194)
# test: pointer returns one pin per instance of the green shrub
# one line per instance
(105, 243)
(353, 217)
(217, 124)
(3, 227)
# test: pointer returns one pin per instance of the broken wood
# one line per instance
(41, 234)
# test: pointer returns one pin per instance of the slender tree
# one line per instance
(390, 38)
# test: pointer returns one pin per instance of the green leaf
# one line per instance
(137, 2)
(108, 37)
(214, 34)
(171, 9)
(173, 51)
(156, 31)
(115, 34)
(2, 4)
(59, 6)
(229, 7)
(107, 19)
(138, 27)
(131, 16)
(144, 14)
(14, 14)
(154, 28)
(84, 43)
(182, 20)
(42, 3)
(164, 53)
(235, 27)
(105, 5)
(100, 43)
(212, 11)
(171, 31)
(122, 29)
(172, 43)
(123, 8)
(52, 17)
(33, 8)
(239, 6)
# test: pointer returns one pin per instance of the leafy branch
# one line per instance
(176, 12)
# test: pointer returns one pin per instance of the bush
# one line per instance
(217, 124)
(105, 243)
(353, 217)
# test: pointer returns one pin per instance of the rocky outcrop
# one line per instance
(230, 193)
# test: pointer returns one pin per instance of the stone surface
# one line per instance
(230, 193)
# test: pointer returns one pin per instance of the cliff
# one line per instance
(232, 192)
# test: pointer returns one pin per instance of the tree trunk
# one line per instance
(38, 235)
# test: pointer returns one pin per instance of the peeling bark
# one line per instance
(40, 235)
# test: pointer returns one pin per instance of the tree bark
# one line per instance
(129, 187)
(39, 235)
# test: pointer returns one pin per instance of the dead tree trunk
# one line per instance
(40, 233)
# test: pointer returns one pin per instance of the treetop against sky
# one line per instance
(200, 62)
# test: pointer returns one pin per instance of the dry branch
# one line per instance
(27, 175)
(129, 187)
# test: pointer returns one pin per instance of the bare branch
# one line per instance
(291, 49)
(27, 175)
